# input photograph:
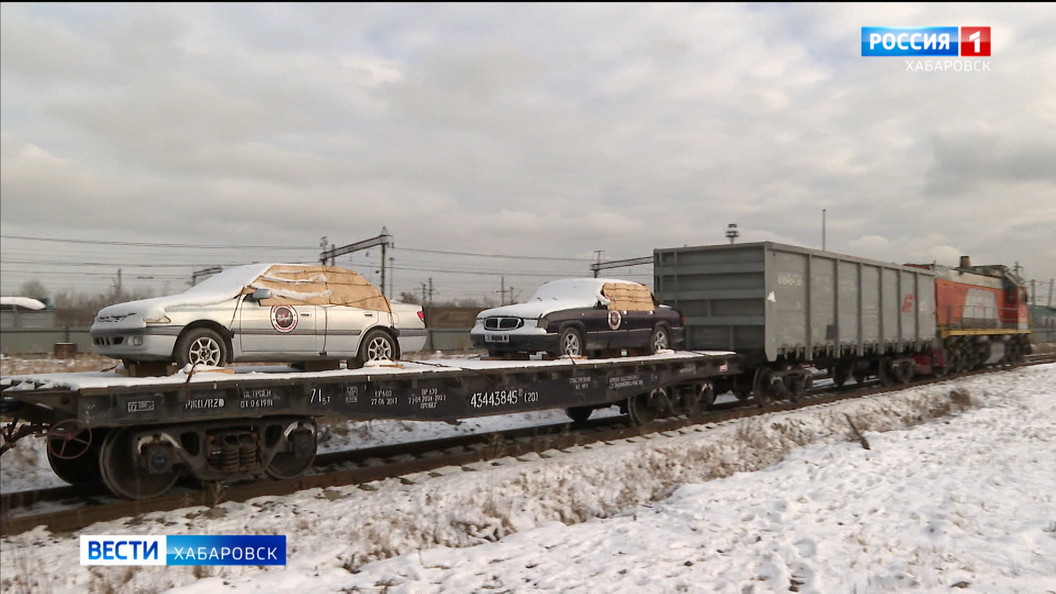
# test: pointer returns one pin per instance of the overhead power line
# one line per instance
(158, 245)
(511, 257)
(279, 247)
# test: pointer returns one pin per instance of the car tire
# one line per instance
(570, 342)
(659, 340)
(201, 346)
(378, 345)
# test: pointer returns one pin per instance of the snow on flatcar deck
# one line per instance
(111, 379)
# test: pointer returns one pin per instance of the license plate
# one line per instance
(496, 338)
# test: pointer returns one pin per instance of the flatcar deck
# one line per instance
(443, 389)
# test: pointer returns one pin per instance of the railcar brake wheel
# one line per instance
(73, 452)
(121, 473)
(69, 439)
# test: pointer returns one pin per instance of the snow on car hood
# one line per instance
(216, 289)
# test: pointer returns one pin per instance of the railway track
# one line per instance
(86, 505)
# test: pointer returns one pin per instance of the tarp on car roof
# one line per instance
(628, 296)
(293, 284)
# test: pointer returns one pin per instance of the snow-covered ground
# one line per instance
(957, 493)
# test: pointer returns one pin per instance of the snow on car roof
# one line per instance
(612, 292)
(26, 302)
(289, 282)
(576, 288)
(230, 282)
(213, 290)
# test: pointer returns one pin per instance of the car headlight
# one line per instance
(161, 320)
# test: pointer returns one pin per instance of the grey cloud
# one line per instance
(534, 129)
(964, 159)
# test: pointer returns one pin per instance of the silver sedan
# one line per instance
(260, 313)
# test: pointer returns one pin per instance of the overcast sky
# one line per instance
(548, 131)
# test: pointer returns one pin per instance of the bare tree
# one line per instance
(33, 288)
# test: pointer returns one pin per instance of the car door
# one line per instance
(278, 329)
(636, 328)
(344, 328)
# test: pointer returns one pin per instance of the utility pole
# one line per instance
(331, 253)
(502, 290)
(386, 241)
(392, 274)
(427, 292)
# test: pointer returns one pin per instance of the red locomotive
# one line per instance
(981, 317)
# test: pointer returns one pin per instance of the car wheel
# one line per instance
(378, 345)
(659, 341)
(201, 346)
(570, 343)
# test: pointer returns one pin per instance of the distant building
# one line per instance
(1043, 323)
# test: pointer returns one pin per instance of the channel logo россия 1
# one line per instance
(926, 41)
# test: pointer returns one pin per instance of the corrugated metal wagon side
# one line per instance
(786, 307)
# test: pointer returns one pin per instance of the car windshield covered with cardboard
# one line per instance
(581, 317)
(263, 312)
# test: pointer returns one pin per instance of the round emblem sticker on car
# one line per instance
(283, 318)
(615, 319)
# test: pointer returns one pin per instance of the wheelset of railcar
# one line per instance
(141, 463)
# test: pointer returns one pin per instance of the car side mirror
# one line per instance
(261, 294)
